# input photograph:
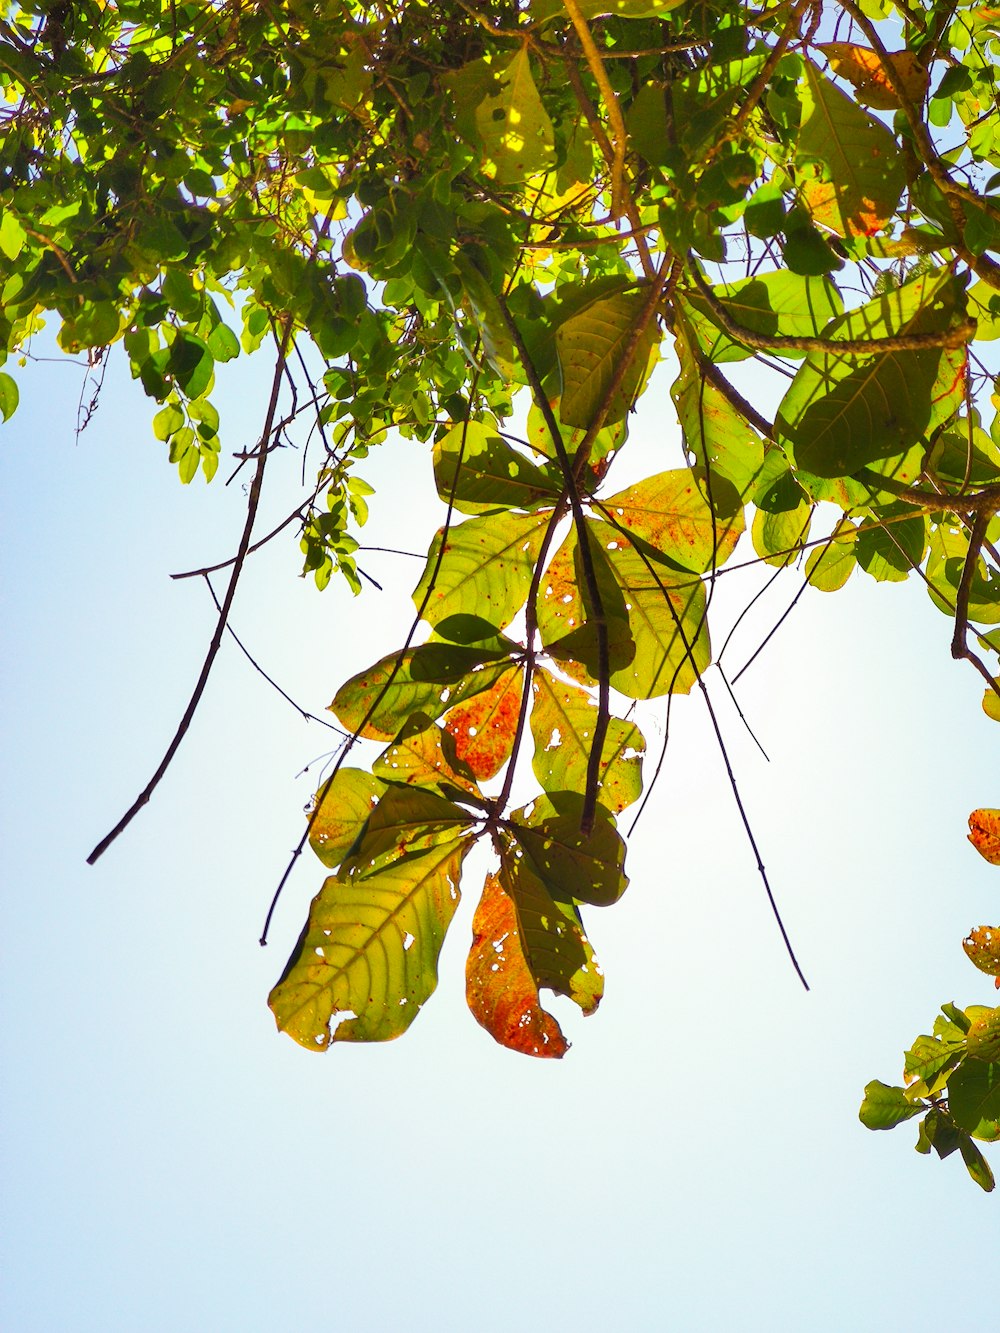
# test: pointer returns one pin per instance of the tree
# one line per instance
(459, 208)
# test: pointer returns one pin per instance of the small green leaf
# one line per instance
(8, 396)
(832, 564)
(885, 1107)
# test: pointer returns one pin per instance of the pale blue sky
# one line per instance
(695, 1163)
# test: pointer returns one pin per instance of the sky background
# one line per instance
(171, 1162)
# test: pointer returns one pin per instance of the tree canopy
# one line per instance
(459, 208)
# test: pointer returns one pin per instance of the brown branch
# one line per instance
(611, 104)
(957, 336)
(213, 648)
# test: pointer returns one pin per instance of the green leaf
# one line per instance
(844, 411)
(885, 1107)
(948, 551)
(367, 956)
(223, 343)
(711, 424)
(850, 166)
(976, 1164)
(490, 473)
(832, 564)
(513, 125)
(779, 537)
(892, 546)
(8, 396)
(419, 680)
(779, 303)
(591, 347)
(343, 810)
(406, 821)
(565, 619)
(691, 519)
(573, 867)
(974, 1098)
(485, 568)
(983, 1039)
(12, 235)
(563, 718)
(555, 947)
(929, 1063)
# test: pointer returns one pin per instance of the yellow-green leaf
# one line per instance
(514, 127)
(423, 755)
(591, 346)
(491, 474)
(693, 520)
(344, 807)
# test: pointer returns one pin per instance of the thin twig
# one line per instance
(213, 648)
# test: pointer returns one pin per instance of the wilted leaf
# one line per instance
(590, 347)
(485, 569)
(367, 956)
(849, 163)
(562, 724)
(483, 728)
(984, 834)
(344, 808)
(862, 68)
(500, 990)
(885, 1107)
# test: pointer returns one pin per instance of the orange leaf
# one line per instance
(863, 70)
(483, 728)
(499, 988)
(984, 834)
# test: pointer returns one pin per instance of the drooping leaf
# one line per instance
(514, 128)
(778, 537)
(557, 951)
(885, 1107)
(983, 947)
(862, 68)
(485, 568)
(843, 412)
(851, 168)
(974, 1098)
(491, 474)
(782, 303)
(713, 429)
(563, 718)
(430, 679)
(423, 755)
(367, 956)
(977, 1165)
(572, 866)
(687, 516)
(984, 834)
(344, 808)
(499, 987)
(483, 727)
(591, 346)
(832, 564)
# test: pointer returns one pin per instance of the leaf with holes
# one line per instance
(423, 755)
(563, 718)
(430, 679)
(344, 807)
(483, 728)
(842, 412)
(983, 947)
(485, 568)
(691, 519)
(479, 472)
(555, 947)
(849, 164)
(573, 867)
(591, 347)
(499, 988)
(514, 127)
(566, 623)
(367, 956)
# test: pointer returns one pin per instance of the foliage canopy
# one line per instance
(456, 202)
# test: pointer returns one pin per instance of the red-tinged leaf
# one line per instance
(344, 807)
(983, 947)
(367, 957)
(862, 69)
(692, 520)
(555, 948)
(500, 990)
(483, 728)
(428, 680)
(566, 629)
(984, 834)
(423, 755)
(563, 718)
